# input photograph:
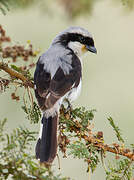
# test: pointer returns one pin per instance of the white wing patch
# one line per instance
(41, 129)
(48, 95)
(35, 87)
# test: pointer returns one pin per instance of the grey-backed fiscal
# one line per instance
(58, 76)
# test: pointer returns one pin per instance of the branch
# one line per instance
(13, 74)
(116, 150)
(69, 122)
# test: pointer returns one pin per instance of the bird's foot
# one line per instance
(69, 106)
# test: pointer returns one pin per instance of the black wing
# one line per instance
(48, 90)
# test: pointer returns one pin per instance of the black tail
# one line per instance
(46, 147)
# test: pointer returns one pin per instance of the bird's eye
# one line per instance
(81, 39)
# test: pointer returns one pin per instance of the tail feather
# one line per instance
(46, 147)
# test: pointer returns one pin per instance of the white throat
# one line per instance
(77, 47)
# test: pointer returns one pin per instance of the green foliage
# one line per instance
(2, 124)
(84, 116)
(128, 3)
(80, 150)
(18, 69)
(4, 6)
(26, 73)
(132, 145)
(120, 170)
(15, 3)
(33, 112)
(79, 122)
(116, 129)
(16, 159)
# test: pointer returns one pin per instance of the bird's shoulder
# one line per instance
(56, 58)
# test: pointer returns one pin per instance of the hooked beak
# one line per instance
(91, 49)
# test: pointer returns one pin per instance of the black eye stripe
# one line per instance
(66, 38)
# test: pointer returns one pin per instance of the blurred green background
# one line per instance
(108, 77)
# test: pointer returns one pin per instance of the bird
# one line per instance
(57, 78)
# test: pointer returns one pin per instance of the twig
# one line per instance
(17, 75)
(126, 169)
(58, 161)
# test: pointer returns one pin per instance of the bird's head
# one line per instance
(77, 39)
